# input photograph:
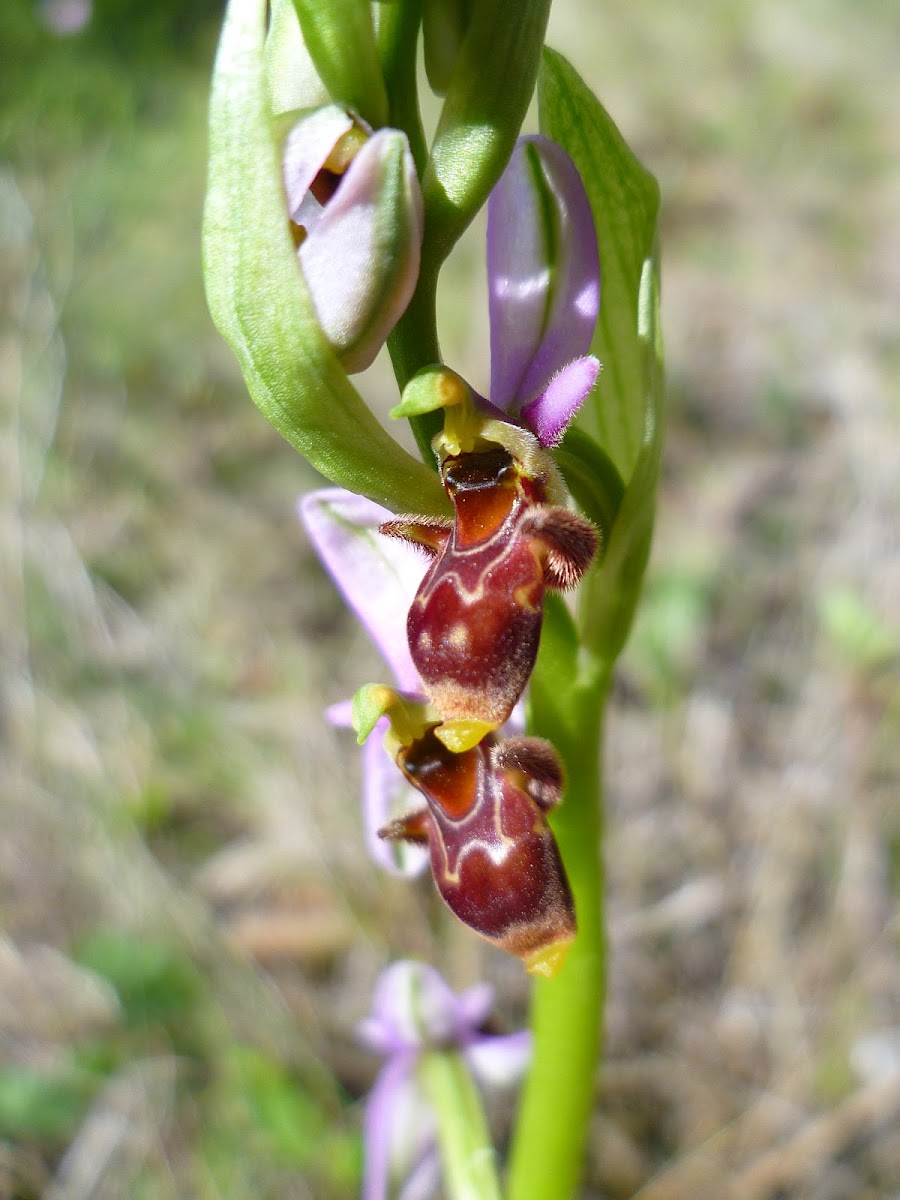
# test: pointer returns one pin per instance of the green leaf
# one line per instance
(154, 983)
(624, 199)
(611, 592)
(43, 1105)
(259, 301)
(592, 478)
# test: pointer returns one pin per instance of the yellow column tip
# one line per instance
(462, 735)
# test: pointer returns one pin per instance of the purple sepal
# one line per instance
(385, 795)
(377, 576)
(399, 1131)
(543, 272)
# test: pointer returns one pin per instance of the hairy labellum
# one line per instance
(493, 855)
(475, 623)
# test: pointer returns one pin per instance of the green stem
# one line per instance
(398, 34)
(467, 1153)
(414, 345)
(566, 1017)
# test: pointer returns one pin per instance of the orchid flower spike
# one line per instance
(414, 1012)
(355, 208)
(377, 578)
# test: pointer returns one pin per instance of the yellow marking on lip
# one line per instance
(522, 597)
(463, 734)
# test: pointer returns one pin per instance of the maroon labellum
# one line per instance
(475, 623)
(493, 855)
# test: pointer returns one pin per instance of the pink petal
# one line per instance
(361, 259)
(413, 1008)
(543, 271)
(376, 575)
(306, 148)
(473, 1007)
(340, 714)
(385, 795)
(499, 1061)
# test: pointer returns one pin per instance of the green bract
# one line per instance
(488, 95)
(258, 299)
(291, 77)
(444, 25)
(624, 199)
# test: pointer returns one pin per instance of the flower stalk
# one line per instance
(467, 1151)
(551, 1128)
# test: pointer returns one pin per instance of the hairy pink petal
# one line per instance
(552, 410)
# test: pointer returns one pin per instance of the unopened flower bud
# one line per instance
(356, 210)
(444, 25)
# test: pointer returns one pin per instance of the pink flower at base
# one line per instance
(414, 1012)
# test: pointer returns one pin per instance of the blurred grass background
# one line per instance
(191, 927)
